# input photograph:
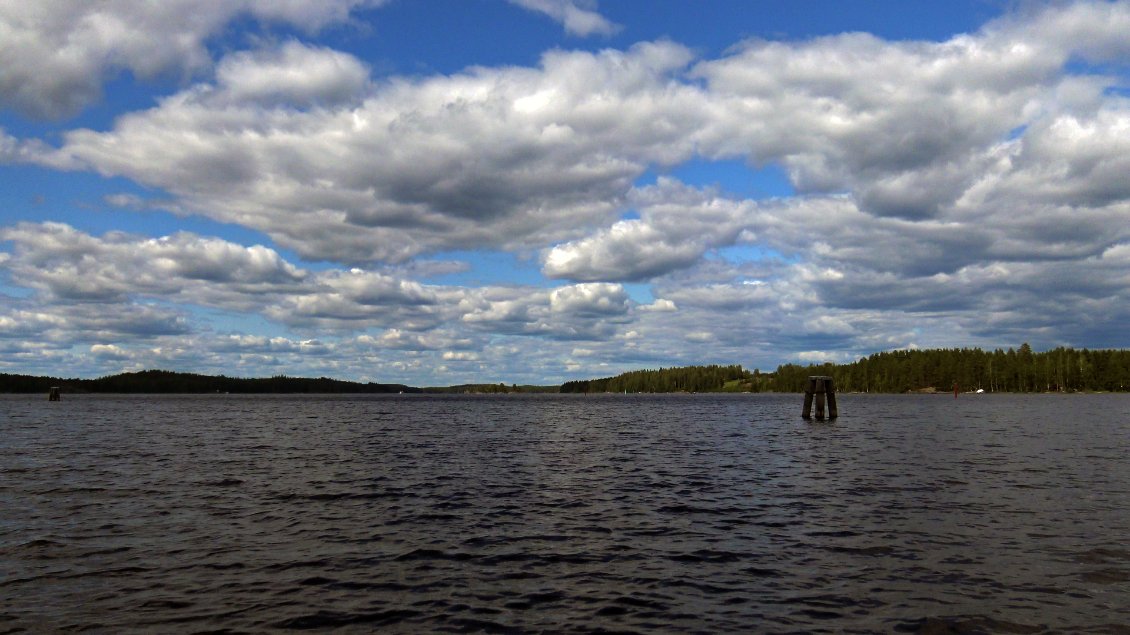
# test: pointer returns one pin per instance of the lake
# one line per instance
(564, 513)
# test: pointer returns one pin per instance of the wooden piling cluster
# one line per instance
(820, 386)
(53, 395)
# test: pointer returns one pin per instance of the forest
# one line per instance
(685, 379)
(489, 389)
(160, 381)
(1012, 370)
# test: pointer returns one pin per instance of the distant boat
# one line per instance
(980, 390)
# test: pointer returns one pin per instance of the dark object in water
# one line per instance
(820, 386)
(54, 394)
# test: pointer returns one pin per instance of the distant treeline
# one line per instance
(1014, 370)
(489, 389)
(160, 381)
(685, 379)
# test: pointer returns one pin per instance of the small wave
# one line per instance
(763, 573)
(880, 550)
(691, 509)
(537, 599)
(225, 482)
(830, 601)
(709, 555)
(112, 572)
(333, 619)
(299, 564)
(819, 614)
(474, 625)
(166, 604)
(965, 625)
(1106, 576)
(418, 519)
(1103, 555)
(539, 558)
(348, 585)
(37, 544)
(432, 554)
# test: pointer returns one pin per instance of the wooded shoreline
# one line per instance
(1014, 370)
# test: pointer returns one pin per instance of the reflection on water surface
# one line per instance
(571, 513)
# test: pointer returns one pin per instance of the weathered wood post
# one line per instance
(820, 398)
(830, 388)
(809, 390)
(54, 394)
(820, 387)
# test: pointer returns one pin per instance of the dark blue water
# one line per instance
(625, 513)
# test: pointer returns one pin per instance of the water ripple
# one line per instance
(593, 514)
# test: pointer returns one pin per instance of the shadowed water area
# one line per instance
(565, 513)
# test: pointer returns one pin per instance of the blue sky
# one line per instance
(531, 191)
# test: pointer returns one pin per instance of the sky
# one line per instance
(437, 192)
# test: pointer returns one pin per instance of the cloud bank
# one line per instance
(55, 54)
(964, 192)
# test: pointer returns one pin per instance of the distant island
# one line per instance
(161, 381)
(685, 379)
(935, 370)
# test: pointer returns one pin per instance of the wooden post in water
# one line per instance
(809, 390)
(830, 388)
(54, 394)
(820, 398)
(820, 387)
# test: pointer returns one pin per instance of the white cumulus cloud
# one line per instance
(579, 17)
(55, 54)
